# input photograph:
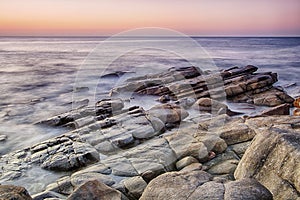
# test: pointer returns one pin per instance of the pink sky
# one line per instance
(192, 17)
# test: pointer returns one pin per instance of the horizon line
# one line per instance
(106, 36)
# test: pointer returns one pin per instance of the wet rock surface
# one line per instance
(188, 145)
(14, 192)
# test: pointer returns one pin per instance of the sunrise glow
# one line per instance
(193, 17)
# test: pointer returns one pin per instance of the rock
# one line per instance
(209, 190)
(186, 102)
(283, 109)
(192, 167)
(248, 189)
(81, 178)
(225, 167)
(13, 192)
(196, 185)
(175, 185)
(95, 190)
(135, 186)
(240, 148)
(186, 145)
(185, 162)
(48, 195)
(236, 132)
(65, 156)
(272, 97)
(273, 158)
(168, 113)
(61, 186)
(3, 138)
(112, 104)
(296, 112)
(209, 105)
(297, 102)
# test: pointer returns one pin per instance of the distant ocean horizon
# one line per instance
(38, 73)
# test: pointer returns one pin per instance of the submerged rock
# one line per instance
(3, 138)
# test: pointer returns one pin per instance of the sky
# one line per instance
(191, 17)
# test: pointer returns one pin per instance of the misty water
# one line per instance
(41, 77)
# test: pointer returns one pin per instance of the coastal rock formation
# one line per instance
(199, 185)
(170, 149)
(273, 158)
(235, 84)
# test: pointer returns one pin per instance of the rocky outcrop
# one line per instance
(273, 157)
(13, 192)
(126, 149)
(199, 185)
(237, 84)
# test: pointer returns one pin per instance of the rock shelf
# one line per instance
(189, 145)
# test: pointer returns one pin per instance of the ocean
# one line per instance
(41, 76)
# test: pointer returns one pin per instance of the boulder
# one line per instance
(135, 186)
(175, 185)
(273, 158)
(297, 102)
(168, 113)
(95, 190)
(296, 112)
(196, 185)
(13, 192)
(246, 189)
(283, 109)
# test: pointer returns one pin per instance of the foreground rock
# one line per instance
(199, 185)
(273, 158)
(95, 190)
(13, 192)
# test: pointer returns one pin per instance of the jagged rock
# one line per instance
(272, 97)
(283, 109)
(95, 190)
(135, 186)
(65, 156)
(13, 192)
(185, 162)
(168, 113)
(273, 159)
(109, 106)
